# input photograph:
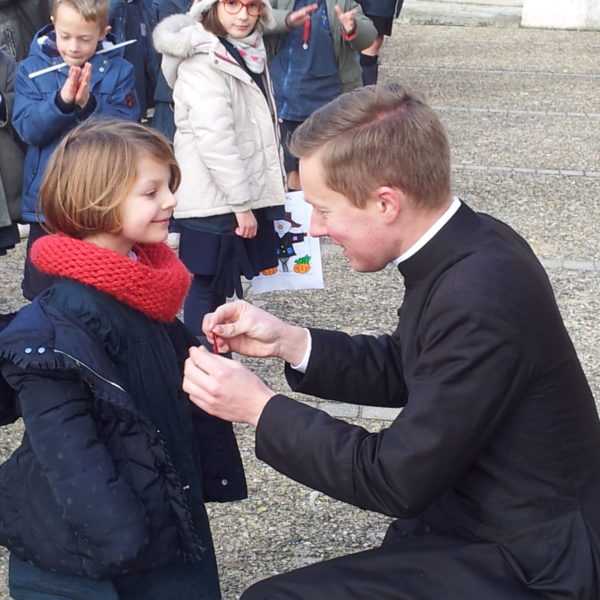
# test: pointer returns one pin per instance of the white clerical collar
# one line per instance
(428, 235)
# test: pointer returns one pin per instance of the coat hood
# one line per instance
(180, 36)
(44, 45)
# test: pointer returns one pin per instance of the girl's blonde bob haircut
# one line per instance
(92, 171)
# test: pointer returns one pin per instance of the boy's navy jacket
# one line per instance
(135, 19)
(39, 121)
(94, 489)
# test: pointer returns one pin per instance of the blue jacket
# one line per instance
(135, 20)
(40, 122)
(306, 76)
(115, 460)
(345, 52)
(164, 9)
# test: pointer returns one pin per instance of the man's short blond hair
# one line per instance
(374, 136)
(91, 10)
(92, 171)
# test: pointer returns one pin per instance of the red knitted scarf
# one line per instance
(155, 284)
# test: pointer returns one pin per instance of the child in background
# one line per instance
(19, 21)
(313, 59)
(163, 120)
(135, 20)
(49, 105)
(104, 499)
(11, 159)
(227, 145)
(382, 13)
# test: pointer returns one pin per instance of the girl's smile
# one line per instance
(146, 210)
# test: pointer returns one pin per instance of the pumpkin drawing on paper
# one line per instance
(302, 265)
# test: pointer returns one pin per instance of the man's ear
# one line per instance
(389, 202)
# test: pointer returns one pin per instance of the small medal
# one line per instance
(305, 34)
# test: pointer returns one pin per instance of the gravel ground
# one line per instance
(284, 525)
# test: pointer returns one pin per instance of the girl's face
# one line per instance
(146, 210)
(241, 24)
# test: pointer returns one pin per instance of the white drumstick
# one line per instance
(61, 65)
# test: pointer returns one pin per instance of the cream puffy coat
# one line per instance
(227, 138)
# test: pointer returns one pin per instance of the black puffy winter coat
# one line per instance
(114, 456)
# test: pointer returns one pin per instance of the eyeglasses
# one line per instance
(253, 8)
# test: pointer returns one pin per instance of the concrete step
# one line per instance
(485, 13)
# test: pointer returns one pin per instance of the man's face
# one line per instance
(361, 232)
(76, 38)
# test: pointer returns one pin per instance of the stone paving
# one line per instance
(522, 110)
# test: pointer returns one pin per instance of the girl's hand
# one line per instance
(346, 19)
(247, 225)
(296, 18)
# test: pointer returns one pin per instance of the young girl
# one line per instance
(105, 496)
(227, 145)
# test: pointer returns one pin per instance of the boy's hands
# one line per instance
(83, 91)
(76, 89)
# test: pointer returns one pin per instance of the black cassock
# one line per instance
(493, 465)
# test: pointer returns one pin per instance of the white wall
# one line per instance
(561, 14)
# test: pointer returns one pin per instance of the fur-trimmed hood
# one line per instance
(180, 36)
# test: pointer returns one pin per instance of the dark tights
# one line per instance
(200, 301)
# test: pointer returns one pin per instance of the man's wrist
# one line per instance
(293, 345)
(262, 404)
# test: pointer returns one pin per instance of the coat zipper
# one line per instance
(78, 362)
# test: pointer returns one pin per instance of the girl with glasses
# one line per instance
(227, 144)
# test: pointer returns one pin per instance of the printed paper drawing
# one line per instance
(298, 254)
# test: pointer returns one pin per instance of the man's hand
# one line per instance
(243, 328)
(346, 19)
(224, 388)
